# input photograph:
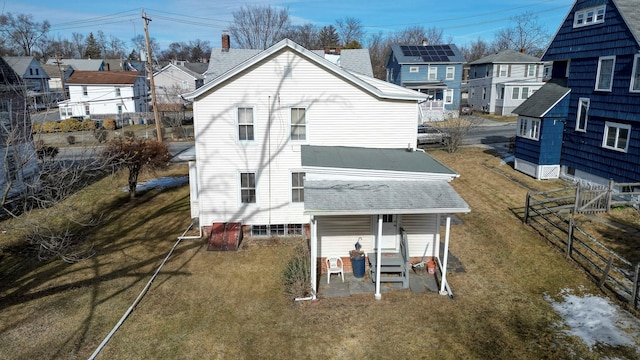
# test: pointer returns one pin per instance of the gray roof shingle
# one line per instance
(506, 57)
(630, 11)
(538, 104)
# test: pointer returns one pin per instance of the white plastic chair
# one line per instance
(334, 266)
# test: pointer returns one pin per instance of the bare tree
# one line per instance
(525, 34)
(258, 27)
(418, 34)
(475, 50)
(78, 42)
(199, 50)
(140, 44)
(350, 30)
(307, 35)
(378, 51)
(136, 153)
(22, 32)
(458, 128)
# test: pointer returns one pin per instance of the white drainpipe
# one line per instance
(378, 295)
(446, 256)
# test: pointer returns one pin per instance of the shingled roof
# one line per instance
(103, 78)
(543, 100)
(506, 57)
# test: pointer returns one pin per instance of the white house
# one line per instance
(499, 82)
(289, 141)
(104, 93)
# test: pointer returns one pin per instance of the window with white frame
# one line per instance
(245, 124)
(87, 110)
(516, 93)
(298, 124)
(248, 187)
(185, 84)
(484, 93)
(448, 96)
(635, 75)
(529, 128)
(451, 73)
(414, 69)
(525, 93)
(583, 114)
(531, 70)
(604, 77)
(433, 73)
(297, 187)
(503, 70)
(5, 117)
(118, 92)
(85, 91)
(616, 136)
(590, 16)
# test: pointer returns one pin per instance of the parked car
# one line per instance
(428, 134)
(466, 109)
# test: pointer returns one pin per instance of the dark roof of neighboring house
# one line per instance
(120, 65)
(7, 74)
(198, 68)
(543, 100)
(103, 77)
(53, 70)
(20, 64)
(506, 57)
(80, 64)
(427, 54)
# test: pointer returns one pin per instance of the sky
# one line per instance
(186, 20)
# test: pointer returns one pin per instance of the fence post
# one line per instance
(610, 194)
(575, 203)
(634, 293)
(570, 237)
(605, 273)
(526, 208)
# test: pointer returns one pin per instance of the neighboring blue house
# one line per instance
(596, 53)
(435, 70)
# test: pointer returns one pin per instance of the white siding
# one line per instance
(337, 112)
(102, 99)
(337, 235)
(422, 234)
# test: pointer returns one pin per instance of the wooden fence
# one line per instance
(551, 214)
(601, 198)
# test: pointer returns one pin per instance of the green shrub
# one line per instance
(88, 125)
(71, 124)
(50, 127)
(109, 123)
(296, 275)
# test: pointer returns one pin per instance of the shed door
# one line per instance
(389, 232)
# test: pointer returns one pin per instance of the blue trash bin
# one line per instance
(357, 264)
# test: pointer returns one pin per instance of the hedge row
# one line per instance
(69, 125)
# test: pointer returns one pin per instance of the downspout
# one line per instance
(193, 236)
(378, 295)
(314, 254)
(443, 270)
(269, 153)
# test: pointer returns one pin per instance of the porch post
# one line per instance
(314, 255)
(443, 291)
(378, 295)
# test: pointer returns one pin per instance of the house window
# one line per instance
(616, 136)
(245, 124)
(85, 92)
(583, 114)
(451, 72)
(87, 110)
(30, 71)
(516, 93)
(448, 96)
(484, 93)
(119, 109)
(277, 229)
(185, 85)
(433, 73)
(37, 71)
(531, 70)
(248, 188)
(298, 124)
(589, 16)
(414, 69)
(503, 70)
(525, 93)
(297, 187)
(118, 92)
(635, 75)
(604, 78)
(500, 92)
(529, 128)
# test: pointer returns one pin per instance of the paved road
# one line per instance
(490, 132)
(92, 152)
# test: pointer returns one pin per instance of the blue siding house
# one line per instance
(596, 53)
(435, 70)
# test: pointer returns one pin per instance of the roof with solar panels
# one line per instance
(427, 54)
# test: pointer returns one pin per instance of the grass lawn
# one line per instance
(219, 305)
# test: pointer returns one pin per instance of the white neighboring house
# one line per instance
(104, 93)
(500, 82)
(290, 143)
(177, 78)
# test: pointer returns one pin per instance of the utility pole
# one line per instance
(58, 62)
(151, 84)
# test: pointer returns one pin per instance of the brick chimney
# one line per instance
(226, 41)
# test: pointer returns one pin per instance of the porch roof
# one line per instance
(371, 197)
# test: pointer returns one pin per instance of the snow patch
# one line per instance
(596, 320)
(160, 183)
